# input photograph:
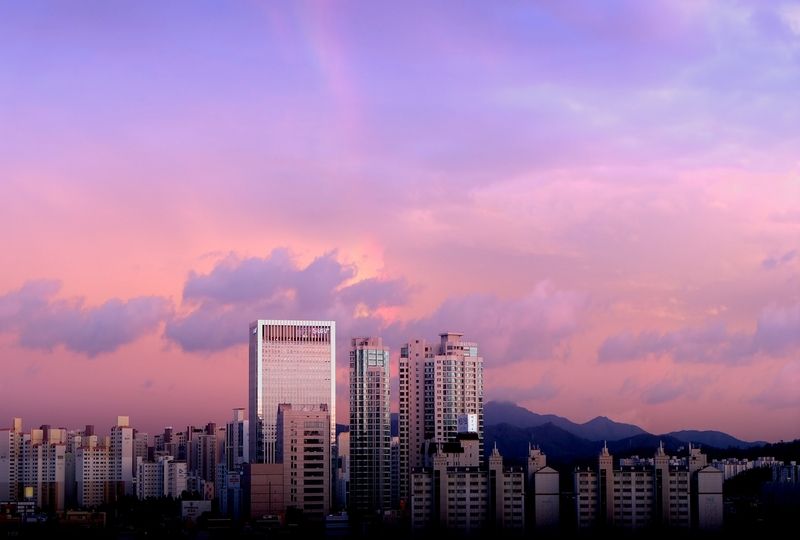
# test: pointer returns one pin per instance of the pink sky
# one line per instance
(607, 199)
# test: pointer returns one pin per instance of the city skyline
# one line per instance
(606, 199)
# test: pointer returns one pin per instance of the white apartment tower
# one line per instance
(91, 472)
(438, 383)
(122, 462)
(290, 362)
(44, 469)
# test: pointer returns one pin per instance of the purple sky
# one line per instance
(604, 195)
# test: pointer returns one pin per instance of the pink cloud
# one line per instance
(42, 322)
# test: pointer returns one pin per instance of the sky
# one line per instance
(604, 195)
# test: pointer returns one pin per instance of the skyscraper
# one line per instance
(370, 426)
(290, 362)
(437, 385)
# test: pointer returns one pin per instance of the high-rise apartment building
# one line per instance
(438, 383)
(456, 493)
(121, 454)
(11, 480)
(370, 427)
(91, 471)
(44, 470)
(290, 362)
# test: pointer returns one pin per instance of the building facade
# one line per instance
(91, 472)
(289, 362)
(438, 383)
(543, 493)
(237, 446)
(44, 467)
(342, 469)
(122, 461)
(305, 452)
(11, 440)
(660, 494)
(370, 427)
(457, 493)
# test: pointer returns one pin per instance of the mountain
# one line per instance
(597, 429)
(560, 445)
(644, 445)
(717, 439)
(603, 428)
(505, 412)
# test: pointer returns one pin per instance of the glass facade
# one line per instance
(370, 427)
(290, 362)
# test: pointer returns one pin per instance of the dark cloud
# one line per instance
(771, 263)
(662, 393)
(42, 322)
(777, 332)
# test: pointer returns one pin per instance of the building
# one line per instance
(542, 488)
(457, 493)
(141, 446)
(122, 462)
(149, 482)
(305, 453)
(639, 496)
(438, 383)
(370, 427)
(44, 467)
(202, 457)
(163, 477)
(289, 362)
(709, 498)
(91, 472)
(11, 467)
(237, 447)
(263, 490)
(342, 469)
(395, 472)
(507, 493)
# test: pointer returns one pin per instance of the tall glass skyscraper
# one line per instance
(370, 427)
(291, 362)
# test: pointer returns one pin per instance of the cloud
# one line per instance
(543, 390)
(42, 322)
(783, 391)
(536, 325)
(670, 389)
(375, 293)
(771, 263)
(777, 332)
(238, 291)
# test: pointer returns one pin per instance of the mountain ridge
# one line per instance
(602, 428)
